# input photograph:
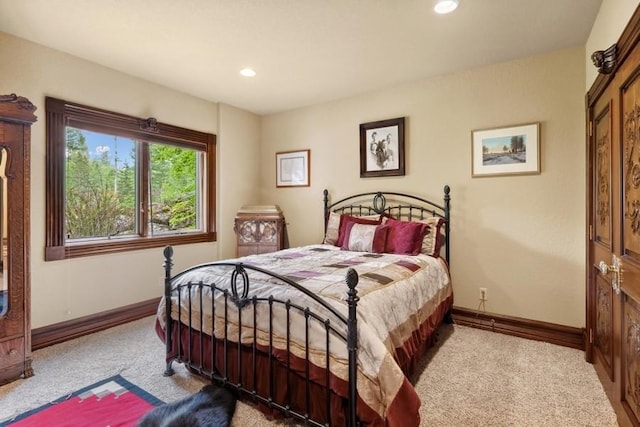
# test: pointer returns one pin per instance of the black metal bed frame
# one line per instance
(404, 206)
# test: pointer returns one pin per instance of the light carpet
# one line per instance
(470, 378)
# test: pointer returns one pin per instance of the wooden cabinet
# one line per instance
(259, 229)
(16, 117)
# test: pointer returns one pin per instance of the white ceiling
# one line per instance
(304, 51)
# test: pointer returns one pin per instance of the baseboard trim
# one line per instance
(70, 329)
(532, 329)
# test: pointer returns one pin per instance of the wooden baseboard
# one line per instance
(532, 329)
(64, 331)
(542, 331)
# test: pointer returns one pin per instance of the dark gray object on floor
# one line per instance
(210, 407)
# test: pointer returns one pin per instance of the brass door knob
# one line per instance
(606, 268)
(616, 269)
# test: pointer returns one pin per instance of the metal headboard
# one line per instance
(398, 205)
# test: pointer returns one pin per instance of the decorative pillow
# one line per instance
(333, 225)
(365, 238)
(405, 237)
(346, 219)
(434, 239)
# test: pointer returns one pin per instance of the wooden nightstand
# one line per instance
(259, 229)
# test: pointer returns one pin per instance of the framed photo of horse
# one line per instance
(382, 148)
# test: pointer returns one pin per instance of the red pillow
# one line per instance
(346, 219)
(405, 237)
(365, 237)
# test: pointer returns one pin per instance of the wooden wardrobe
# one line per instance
(613, 221)
(16, 117)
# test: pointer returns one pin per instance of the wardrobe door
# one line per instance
(613, 212)
(627, 84)
(603, 300)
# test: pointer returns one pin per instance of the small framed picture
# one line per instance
(292, 168)
(382, 148)
(511, 150)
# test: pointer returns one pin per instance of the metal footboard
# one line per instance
(221, 366)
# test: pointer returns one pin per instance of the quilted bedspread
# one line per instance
(398, 293)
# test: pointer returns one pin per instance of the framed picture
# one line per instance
(511, 150)
(382, 148)
(292, 168)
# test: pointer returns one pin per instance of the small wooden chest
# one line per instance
(259, 229)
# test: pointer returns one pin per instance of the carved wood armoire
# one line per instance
(613, 220)
(16, 117)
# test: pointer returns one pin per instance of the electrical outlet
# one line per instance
(483, 294)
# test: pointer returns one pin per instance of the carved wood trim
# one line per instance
(602, 164)
(14, 108)
(605, 60)
(604, 324)
(631, 356)
(630, 143)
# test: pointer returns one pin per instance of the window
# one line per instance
(116, 182)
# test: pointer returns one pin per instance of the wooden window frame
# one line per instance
(61, 113)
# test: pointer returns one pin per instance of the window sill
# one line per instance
(76, 250)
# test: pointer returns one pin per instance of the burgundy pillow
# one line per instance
(405, 237)
(365, 237)
(346, 219)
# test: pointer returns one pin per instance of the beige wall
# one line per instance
(612, 19)
(521, 237)
(64, 290)
(239, 167)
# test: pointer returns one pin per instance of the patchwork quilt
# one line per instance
(398, 293)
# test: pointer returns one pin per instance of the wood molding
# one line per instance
(566, 336)
(531, 329)
(64, 331)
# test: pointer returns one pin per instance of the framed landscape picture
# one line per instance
(382, 148)
(511, 150)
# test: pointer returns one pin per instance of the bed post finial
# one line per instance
(352, 342)
(168, 263)
(168, 253)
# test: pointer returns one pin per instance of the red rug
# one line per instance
(114, 402)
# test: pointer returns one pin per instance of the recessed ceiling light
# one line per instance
(248, 72)
(446, 6)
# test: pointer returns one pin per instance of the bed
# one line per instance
(326, 333)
